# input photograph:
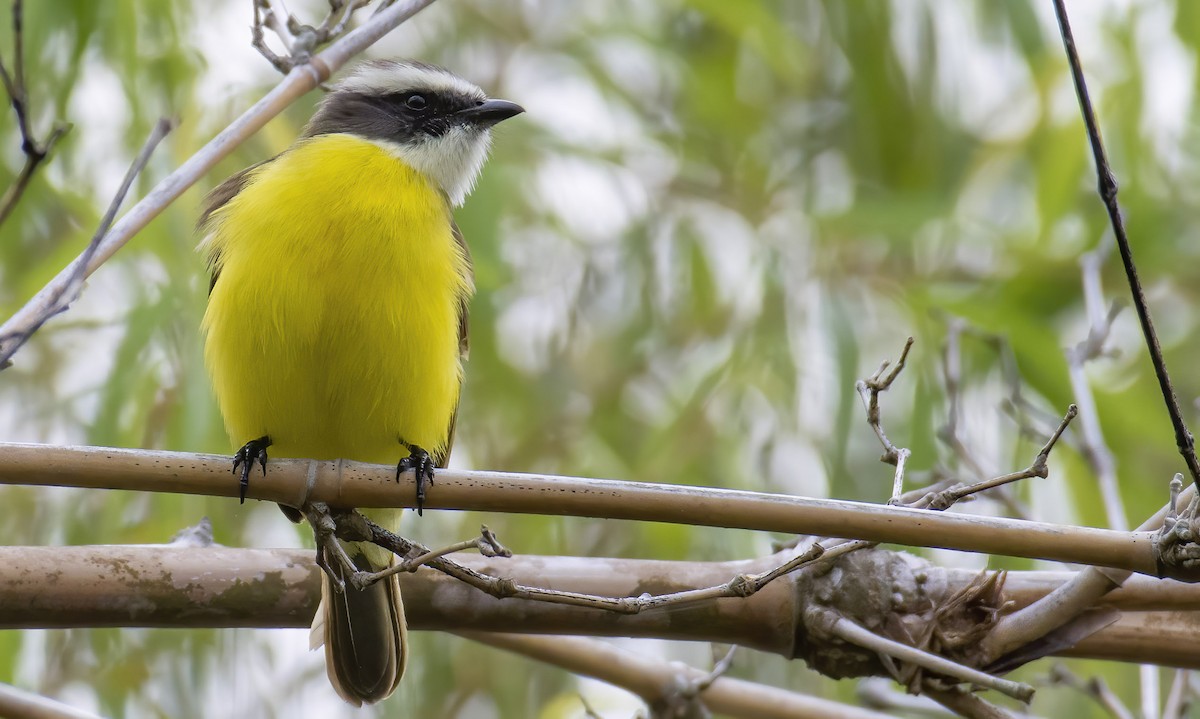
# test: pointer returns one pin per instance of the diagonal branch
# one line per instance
(16, 702)
(653, 679)
(66, 294)
(851, 632)
(1108, 194)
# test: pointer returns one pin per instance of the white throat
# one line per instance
(452, 161)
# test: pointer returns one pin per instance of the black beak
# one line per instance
(489, 112)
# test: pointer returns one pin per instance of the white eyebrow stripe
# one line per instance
(387, 77)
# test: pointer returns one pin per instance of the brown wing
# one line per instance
(464, 342)
(215, 200)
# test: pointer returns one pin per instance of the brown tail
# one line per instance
(365, 637)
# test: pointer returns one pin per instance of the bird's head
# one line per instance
(424, 115)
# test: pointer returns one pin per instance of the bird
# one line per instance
(336, 325)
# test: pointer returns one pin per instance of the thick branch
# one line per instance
(649, 678)
(189, 587)
(1066, 602)
(352, 484)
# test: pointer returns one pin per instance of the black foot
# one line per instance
(253, 451)
(422, 465)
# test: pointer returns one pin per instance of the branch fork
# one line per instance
(299, 40)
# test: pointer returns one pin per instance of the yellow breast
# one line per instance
(333, 326)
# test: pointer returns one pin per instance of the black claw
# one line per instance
(422, 465)
(253, 451)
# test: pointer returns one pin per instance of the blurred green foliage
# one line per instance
(714, 218)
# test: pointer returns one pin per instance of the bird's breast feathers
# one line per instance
(333, 326)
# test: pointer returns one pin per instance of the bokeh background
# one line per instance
(712, 220)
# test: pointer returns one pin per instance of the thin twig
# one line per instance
(952, 372)
(486, 543)
(880, 693)
(417, 555)
(66, 293)
(16, 702)
(971, 706)
(1096, 688)
(299, 39)
(264, 17)
(682, 694)
(1015, 406)
(331, 29)
(944, 499)
(842, 628)
(1108, 194)
(35, 151)
(718, 669)
(1093, 447)
(868, 390)
(647, 678)
(1177, 702)
(588, 711)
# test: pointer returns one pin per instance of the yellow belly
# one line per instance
(333, 327)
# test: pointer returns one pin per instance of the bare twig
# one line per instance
(971, 706)
(334, 25)
(1178, 699)
(588, 711)
(718, 669)
(496, 586)
(837, 626)
(1091, 438)
(681, 696)
(416, 555)
(648, 678)
(486, 543)
(946, 498)
(299, 81)
(868, 391)
(15, 702)
(1108, 194)
(1016, 405)
(879, 693)
(66, 293)
(298, 39)
(1096, 688)
(264, 17)
(35, 151)
(952, 372)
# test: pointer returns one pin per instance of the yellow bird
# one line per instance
(337, 317)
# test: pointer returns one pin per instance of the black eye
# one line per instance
(415, 102)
